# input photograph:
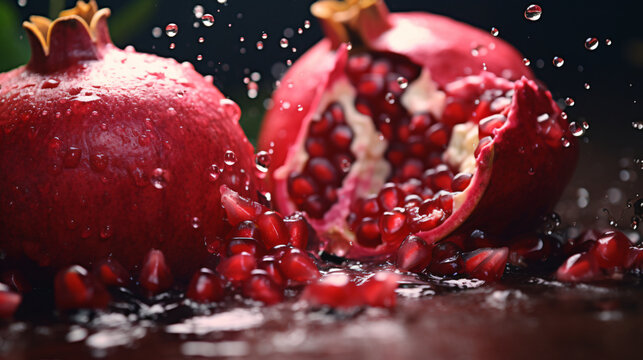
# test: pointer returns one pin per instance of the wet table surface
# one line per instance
(522, 317)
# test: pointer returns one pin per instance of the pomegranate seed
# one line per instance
(414, 254)
(16, 281)
(238, 245)
(238, 208)
(245, 229)
(341, 138)
(487, 125)
(322, 170)
(412, 168)
(396, 154)
(298, 230)
(298, 267)
(237, 267)
(486, 264)
(419, 123)
(403, 133)
(75, 288)
(370, 207)
(612, 250)
(379, 290)
(393, 225)
(321, 126)
(390, 197)
(9, 302)
(483, 142)
(446, 259)
(261, 288)
(583, 243)
(445, 199)
(412, 200)
(438, 178)
(438, 135)
(155, 275)
(205, 286)
(429, 221)
(111, 273)
(460, 182)
(359, 64)
(315, 206)
(579, 267)
(316, 147)
(416, 146)
(370, 85)
(368, 233)
(530, 250)
(334, 290)
(278, 251)
(270, 266)
(272, 229)
(381, 67)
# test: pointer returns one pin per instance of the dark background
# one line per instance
(611, 146)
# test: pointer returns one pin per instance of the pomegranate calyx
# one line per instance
(77, 34)
(355, 21)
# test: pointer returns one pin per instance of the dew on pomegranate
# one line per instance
(494, 31)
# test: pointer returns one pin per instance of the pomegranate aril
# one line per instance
(322, 170)
(341, 138)
(381, 67)
(370, 85)
(390, 197)
(16, 281)
(370, 207)
(205, 286)
(271, 267)
(301, 186)
(438, 178)
(460, 182)
(414, 254)
(111, 273)
(278, 251)
(486, 264)
(155, 276)
(9, 302)
(238, 267)
(412, 168)
(396, 154)
(334, 290)
(245, 229)
(612, 250)
(368, 233)
(272, 229)
(483, 142)
(75, 288)
(297, 230)
(446, 259)
(428, 221)
(238, 208)
(438, 135)
(487, 125)
(359, 64)
(393, 225)
(315, 147)
(260, 287)
(379, 290)
(445, 199)
(420, 123)
(531, 250)
(298, 267)
(579, 267)
(582, 243)
(416, 146)
(322, 125)
(315, 206)
(238, 245)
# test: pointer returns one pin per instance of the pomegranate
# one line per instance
(404, 132)
(107, 151)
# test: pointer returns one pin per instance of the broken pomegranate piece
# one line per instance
(75, 288)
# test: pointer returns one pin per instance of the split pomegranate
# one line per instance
(407, 132)
(107, 151)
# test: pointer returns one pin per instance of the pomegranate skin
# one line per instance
(107, 151)
(438, 43)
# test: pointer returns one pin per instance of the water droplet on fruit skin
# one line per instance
(570, 102)
(98, 162)
(566, 143)
(230, 158)
(526, 61)
(591, 43)
(196, 222)
(533, 12)
(230, 109)
(106, 232)
(160, 178)
(262, 161)
(390, 98)
(171, 29)
(402, 82)
(576, 129)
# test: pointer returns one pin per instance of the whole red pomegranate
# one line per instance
(105, 152)
(421, 125)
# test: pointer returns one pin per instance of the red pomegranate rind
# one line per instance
(75, 288)
(95, 122)
(9, 302)
(486, 264)
(205, 287)
(438, 43)
(155, 276)
(581, 267)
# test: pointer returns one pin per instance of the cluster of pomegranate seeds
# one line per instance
(339, 290)
(314, 189)
(595, 257)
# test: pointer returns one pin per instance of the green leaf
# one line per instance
(130, 19)
(15, 48)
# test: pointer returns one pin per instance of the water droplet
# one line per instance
(22, 3)
(585, 125)
(172, 46)
(255, 76)
(98, 162)
(262, 161)
(157, 32)
(264, 35)
(587, 86)
(171, 30)
(558, 61)
(106, 232)
(242, 39)
(402, 82)
(635, 222)
(576, 129)
(201, 40)
(259, 45)
(230, 158)
(533, 12)
(608, 42)
(196, 222)
(207, 20)
(495, 31)
(570, 102)
(199, 57)
(566, 143)
(563, 115)
(591, 43)
(307, 24)
(526, 61)
(283, 43)
(638, 125)
(300, 31)
(198, 11)
(214, 172)
(390, 98)
(222, 1)
(160, 177)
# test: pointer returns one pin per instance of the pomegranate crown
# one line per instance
(77, 34)
(357, 21)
